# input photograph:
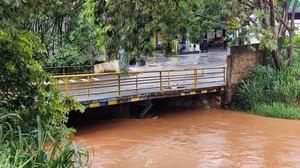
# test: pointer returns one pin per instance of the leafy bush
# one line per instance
(257, 88)
(25, 94)
(22, 85)
(67, 60)
(167, 47)
(68, 55)
(297, 43)
(269, 92)
(18, 149)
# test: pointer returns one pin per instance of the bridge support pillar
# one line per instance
(147, 104)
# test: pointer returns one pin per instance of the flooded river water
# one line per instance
(184, 138)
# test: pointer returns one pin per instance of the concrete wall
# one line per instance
(112, 66)
(240, 60)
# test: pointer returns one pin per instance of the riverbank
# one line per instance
(270, 93)
(193, 138)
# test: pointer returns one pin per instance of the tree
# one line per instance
(56, 23)
(266, 20)
(290, 29)
(277, 21)
(209, 14)
(132, 24)
(25, 88)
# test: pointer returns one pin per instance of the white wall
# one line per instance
(112, 66)
(211, 34)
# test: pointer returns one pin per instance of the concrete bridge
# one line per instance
(140, 87)
(96, 90)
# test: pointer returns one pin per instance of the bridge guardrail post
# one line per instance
(160, 82)
(189, 76)
(89, 84)
(136, 82)
(224, 74)
(119, 85)
(195, 78)
(169, 80)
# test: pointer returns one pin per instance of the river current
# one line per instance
(185, 138)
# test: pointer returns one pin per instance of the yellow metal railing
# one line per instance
(139, 82)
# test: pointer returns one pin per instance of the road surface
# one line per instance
(215, 57)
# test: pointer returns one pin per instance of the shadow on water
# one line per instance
(108, 113)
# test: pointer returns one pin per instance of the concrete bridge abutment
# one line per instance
(239, 63)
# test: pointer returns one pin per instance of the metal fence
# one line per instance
(70, 70)
(118, 85)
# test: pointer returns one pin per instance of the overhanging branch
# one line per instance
(211, 19)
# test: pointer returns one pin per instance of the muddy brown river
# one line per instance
(185, 138)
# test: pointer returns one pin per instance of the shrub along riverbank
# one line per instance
(271, 93)
(24, 150)
(32, 112)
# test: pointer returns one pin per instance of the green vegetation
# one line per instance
(19, 149)
(23, 86)
(36, 33)
(271, 93)
(277, 110)
(266, 21)
(135, 30)
(271, 90)
(32, 109)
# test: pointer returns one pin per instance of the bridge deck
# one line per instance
(95, 90)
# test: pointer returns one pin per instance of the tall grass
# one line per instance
(257, 88)
(277, 110)
(21, 150)
(268, 90)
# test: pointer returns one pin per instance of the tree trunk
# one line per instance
(276, 59)
(224, 32)
(292, 34)
(275, 56)
(215, 33)
(283, 27)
